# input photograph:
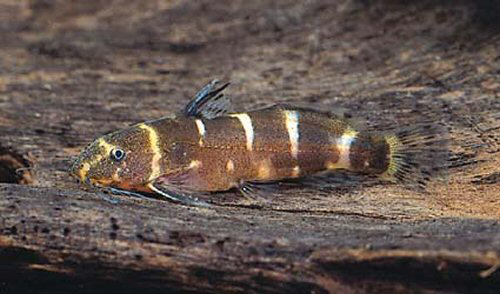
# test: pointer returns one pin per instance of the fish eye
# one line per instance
(117, 154)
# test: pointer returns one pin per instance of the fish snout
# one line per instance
(77, 170)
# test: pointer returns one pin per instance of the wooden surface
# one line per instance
(70, 72)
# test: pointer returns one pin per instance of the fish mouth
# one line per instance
(79, 170)
(81, 178)
(97, 186)
(98, 183)
(87, 181)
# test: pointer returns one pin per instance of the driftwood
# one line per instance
(71, 71)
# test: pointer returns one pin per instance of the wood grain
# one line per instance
(72, 72)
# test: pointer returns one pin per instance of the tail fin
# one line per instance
(418, 154)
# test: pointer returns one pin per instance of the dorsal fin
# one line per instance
(209, 102)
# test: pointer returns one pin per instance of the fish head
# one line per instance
(123, 159)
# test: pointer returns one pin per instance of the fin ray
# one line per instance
(418, 154)
(209, 102)
(177, 186)
(128, 193)
(259, 192)
(177, 196)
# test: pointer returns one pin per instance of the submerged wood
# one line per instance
(70, 73)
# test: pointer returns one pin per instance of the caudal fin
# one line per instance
(418, 155)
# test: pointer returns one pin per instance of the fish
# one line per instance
(208, 148)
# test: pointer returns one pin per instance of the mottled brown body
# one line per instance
(222, 157)
(207, 149)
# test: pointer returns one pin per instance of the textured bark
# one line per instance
(71, 71)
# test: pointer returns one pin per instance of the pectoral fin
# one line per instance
(179, 186)
(176, 195)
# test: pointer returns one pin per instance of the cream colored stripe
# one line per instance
(344, 147)
(229, 166)
(195, 164)
(87, 165)
(154, 142)
(201, 130)
(107, 147)
(292, 126)
(116, 175)
(264, 170)
(296, 171)
(246, 122)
